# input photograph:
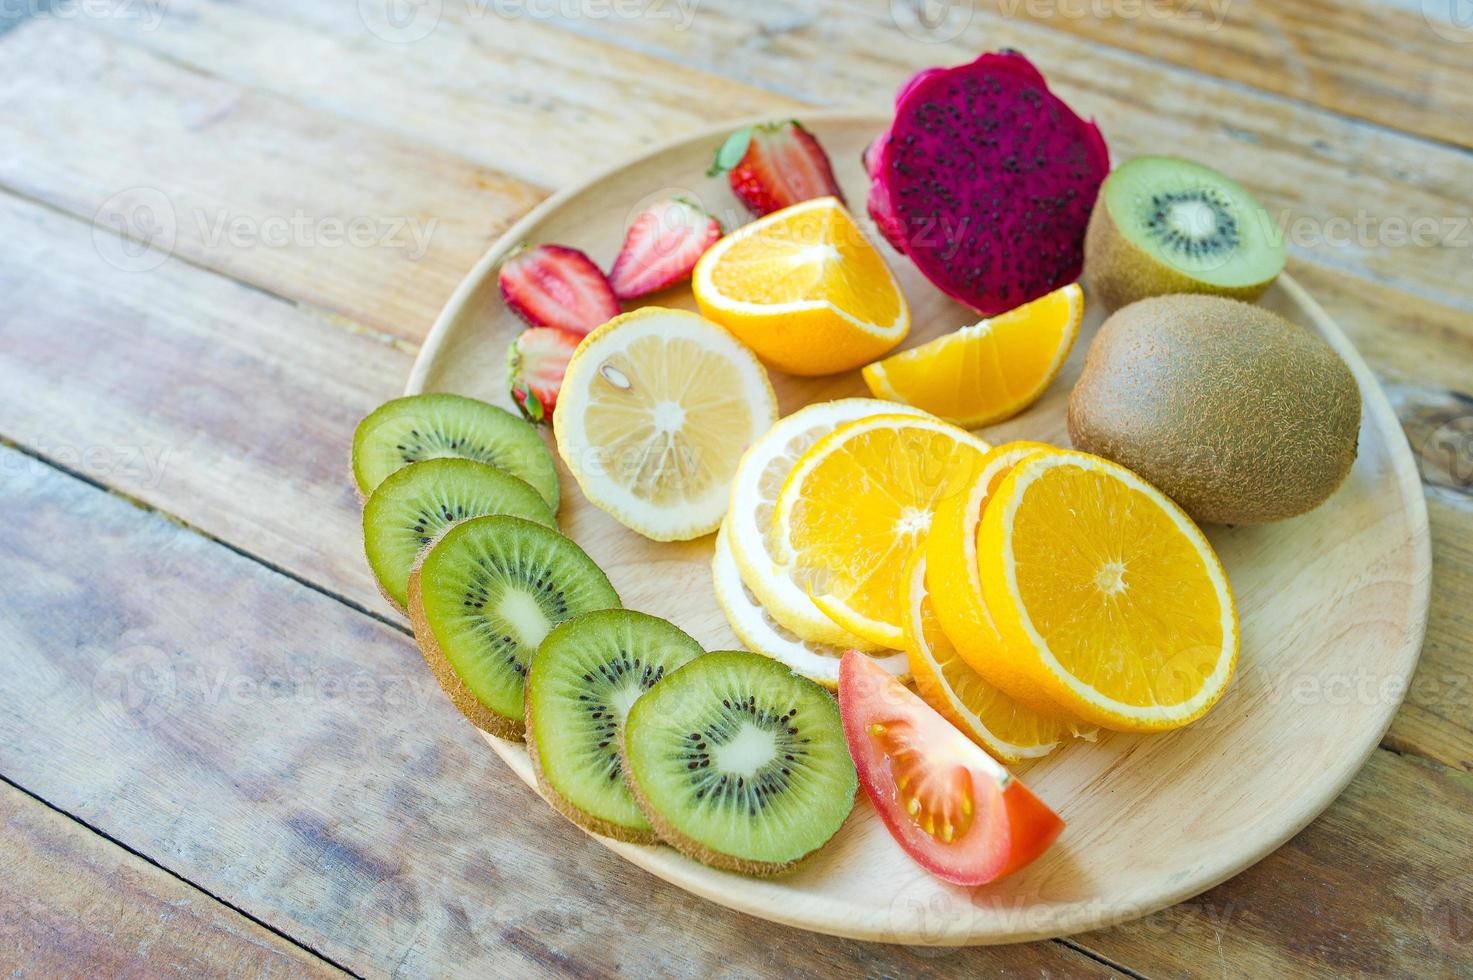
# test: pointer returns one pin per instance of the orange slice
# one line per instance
(1004, 727)
(989, 371)
(804, 289)
(857, 505)
(956, 586)
(1109, 600)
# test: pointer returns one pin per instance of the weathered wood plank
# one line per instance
(524, 98)
(1352, 197)
(333, 213)
(228, 408)
(74, 904)
(296, 757)
(1395, 64)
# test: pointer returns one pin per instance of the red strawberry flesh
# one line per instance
(535, 364)
(783, 165)
(556, 286)
(661, 247)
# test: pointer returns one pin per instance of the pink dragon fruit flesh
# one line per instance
(985, 180)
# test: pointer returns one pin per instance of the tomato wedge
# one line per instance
(951, 806)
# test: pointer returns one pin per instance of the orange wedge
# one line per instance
(989, 371)
(1109, 600)
(1004, 727)
(804, 289)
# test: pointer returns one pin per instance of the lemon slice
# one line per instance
(858, 505)
(761, 634)
(754, 492)
(1109, 600)
(1008, 729)
(804, 289)
(655, 411)
(987, 372)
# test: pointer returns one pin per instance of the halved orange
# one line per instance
(804, 289)
(987, 372)
(1110, 602)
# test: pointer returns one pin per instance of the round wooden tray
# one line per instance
(1333, 607)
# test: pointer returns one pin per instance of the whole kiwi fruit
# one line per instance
(1238, 415)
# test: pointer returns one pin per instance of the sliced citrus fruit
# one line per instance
(1109, 600)
(987, 372)
(655, 410)
(1003, 726)
(754, 492)
(804, 289)
(760, 633)
(856, 507)
(952, 577)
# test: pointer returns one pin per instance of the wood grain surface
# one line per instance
(245, 365)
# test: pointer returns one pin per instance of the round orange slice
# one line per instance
(987, 372)
(857, 505)
(1110, 602)
(956, 586)
(1006, 728)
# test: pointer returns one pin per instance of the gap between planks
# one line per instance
(219, 900)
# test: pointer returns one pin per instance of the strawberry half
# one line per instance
(535, 364)
(557, 286)
(774, 165)
(662, 246)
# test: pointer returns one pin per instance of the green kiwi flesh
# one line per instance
(739, 762)
(586, 675)
(413, 506)
(482, 601)
(419, 427)
(1166, 225)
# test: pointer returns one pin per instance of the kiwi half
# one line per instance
(482, 601)
(1165, 225)
(586, 675)
(738, 762)
(413, 506)
(420, 427)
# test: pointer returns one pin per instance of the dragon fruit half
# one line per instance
(986, 179)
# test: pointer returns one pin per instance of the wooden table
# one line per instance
(227, 225)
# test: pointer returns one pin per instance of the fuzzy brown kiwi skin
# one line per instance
(560, 803)
(1237, 414)
(697, 851)
(479, 715)
(1117, 272)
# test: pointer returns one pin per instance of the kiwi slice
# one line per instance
(483, 600)
(419, 427)
(738, 762)
(413, 506)
(586, 674)
(1165, 225)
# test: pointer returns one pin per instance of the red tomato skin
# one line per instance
(1009, 829)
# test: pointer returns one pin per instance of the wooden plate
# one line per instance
(1333, 606)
